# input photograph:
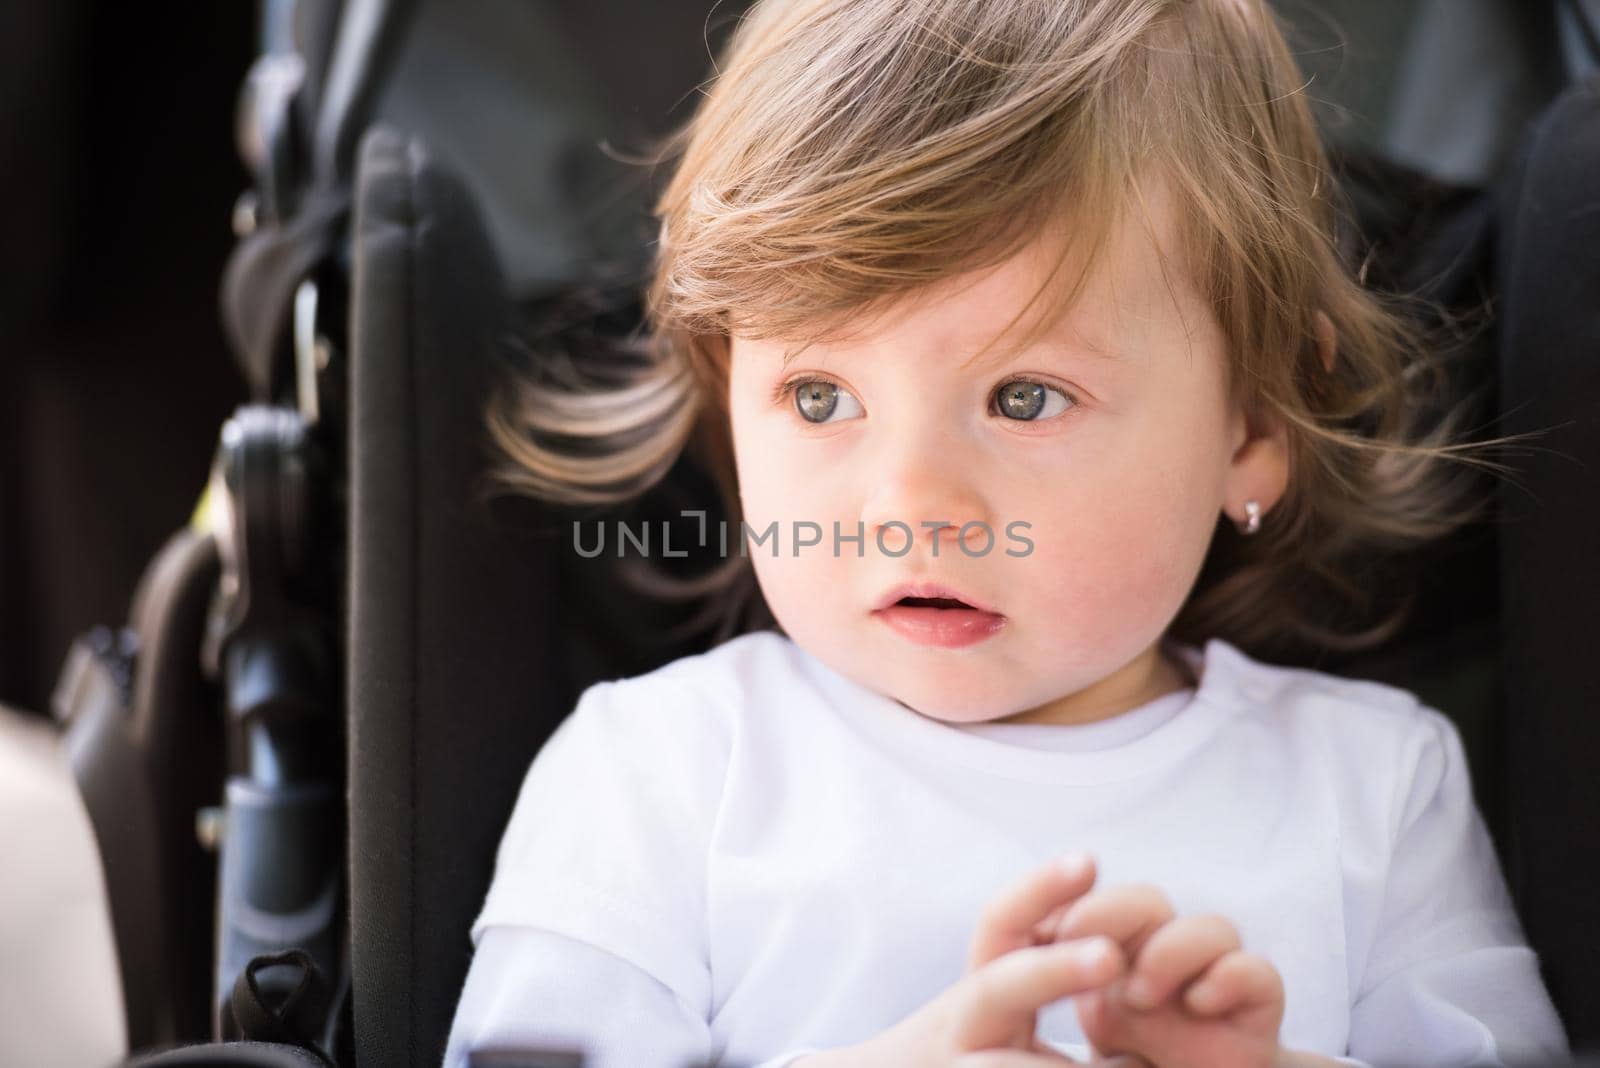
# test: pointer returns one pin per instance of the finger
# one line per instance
(1127, 914)
(1002, 996)
(1047, 1049)
(1237, 982)
(1176, 953)
(1101, 1059)
(1009, 921)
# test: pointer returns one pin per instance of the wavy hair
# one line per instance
(850, 151)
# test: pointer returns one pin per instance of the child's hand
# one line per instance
(1020, 917)
(1192, 998)
(1015, 967)
(985, 1020)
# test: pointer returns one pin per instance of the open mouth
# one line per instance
(932, 602)
(946, 622)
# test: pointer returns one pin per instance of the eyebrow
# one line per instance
(790, 356)
(1047, 339)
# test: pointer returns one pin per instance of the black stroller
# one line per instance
(291, 883)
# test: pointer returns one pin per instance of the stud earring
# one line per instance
(1252, 522)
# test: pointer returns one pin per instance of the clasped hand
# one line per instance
(1152, 989)
(1179, 991)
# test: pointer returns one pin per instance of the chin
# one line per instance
(947, 704)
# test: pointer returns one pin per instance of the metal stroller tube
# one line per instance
(272, 647)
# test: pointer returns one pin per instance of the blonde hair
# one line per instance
(850, 151)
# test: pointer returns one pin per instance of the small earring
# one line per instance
(1252, 522)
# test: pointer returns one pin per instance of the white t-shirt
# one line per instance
(744, 856)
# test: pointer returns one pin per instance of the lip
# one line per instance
(932, 589)
(945, 628)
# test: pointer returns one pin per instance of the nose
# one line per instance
(919, 483)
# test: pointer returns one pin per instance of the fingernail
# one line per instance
(1092, 952)
(1074, 864)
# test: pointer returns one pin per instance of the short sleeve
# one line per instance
(533, 990)
(1450, 980)
(608, 840)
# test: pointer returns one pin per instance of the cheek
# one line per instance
(781, 477)
(1119, 551)
(753, 467)
(814, 594)
(784, 485)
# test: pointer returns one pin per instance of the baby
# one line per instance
(1016, 332)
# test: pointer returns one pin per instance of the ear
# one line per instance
(1259, 467)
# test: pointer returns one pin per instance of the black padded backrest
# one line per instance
(453, 676)
(1549, 275)
(472, 625)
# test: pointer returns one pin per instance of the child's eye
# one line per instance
(1028, 401)
(818, 401)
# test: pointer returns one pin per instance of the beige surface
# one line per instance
(60, 992)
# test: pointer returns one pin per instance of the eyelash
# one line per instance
(785, 393)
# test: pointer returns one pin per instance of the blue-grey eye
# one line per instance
(1025, 400)
(818, 401)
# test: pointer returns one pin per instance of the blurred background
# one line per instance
(117, 174)
(119, 170)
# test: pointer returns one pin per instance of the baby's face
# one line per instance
(1121, 474)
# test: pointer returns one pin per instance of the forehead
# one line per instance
(1096, 289)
